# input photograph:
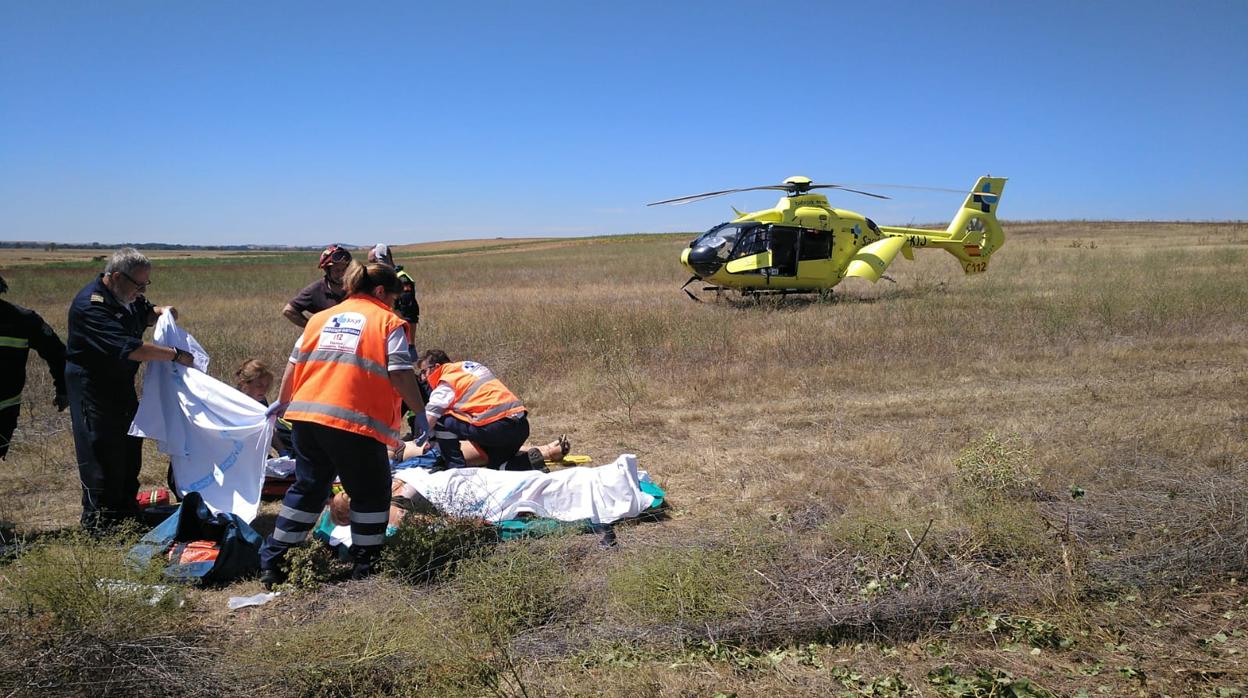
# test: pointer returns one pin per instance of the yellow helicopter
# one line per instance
(804, 245)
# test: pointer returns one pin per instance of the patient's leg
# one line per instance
(551, 451)
(472, 455)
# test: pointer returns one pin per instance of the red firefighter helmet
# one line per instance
(334, 254)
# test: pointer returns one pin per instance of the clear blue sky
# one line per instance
(309, 122)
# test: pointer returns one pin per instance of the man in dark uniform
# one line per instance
(407, 308)
(105, 346)
(20, 331)
(324, 293)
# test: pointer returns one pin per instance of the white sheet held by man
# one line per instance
(216, 437)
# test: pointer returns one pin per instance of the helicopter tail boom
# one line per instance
(975, 232)
(973, 235)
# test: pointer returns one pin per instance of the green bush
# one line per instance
(395, 646)
(996, 468)
(882, 532)
(81, 621)
(425, 548)
(517, 587)
(994, 496)
(680, 584)
(998, 532)
(310, 566)
(85, 585)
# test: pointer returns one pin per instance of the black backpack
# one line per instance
(238, 543)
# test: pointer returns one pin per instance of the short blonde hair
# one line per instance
(250, 370)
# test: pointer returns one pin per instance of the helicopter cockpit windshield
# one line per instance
(712, 248)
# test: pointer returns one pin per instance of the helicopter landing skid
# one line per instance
(784, 292)
(689, 293)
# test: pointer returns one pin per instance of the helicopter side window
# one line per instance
(752, 242)
(722, 238)
(815, 244)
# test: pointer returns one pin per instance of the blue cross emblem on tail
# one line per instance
(985, 198)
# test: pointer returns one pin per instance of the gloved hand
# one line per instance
(277, 408)
(61, 401)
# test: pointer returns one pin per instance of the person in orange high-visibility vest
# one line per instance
(341, 393)
(468, 402)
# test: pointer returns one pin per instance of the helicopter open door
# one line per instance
(777, 250)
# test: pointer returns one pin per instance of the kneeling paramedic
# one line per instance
(467, 402)
(341, 393)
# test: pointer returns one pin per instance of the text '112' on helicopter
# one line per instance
(804, 245)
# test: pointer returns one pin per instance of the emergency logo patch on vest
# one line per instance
(342, 333)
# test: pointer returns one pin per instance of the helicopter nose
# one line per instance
(702, 261)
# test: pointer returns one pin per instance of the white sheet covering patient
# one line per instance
(600, 495)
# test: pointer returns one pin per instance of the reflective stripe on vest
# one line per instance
(497, 402)
(15, 342)
(340, 378)
(337, 357)
(474, 387)
(347, 415)
(15, 400)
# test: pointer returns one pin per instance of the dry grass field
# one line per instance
(1030, 482)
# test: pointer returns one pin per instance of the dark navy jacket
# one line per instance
(102, 333)
(20, 331)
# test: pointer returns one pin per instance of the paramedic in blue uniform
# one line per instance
(20, 331)
(103, 351)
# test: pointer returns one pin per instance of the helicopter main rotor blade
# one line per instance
(844, 188)
(698, 197)
(912, 187)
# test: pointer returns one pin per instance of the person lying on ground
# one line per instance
(527, 458)
(405, 499)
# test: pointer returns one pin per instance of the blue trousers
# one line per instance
(321, 453)
(499, 440)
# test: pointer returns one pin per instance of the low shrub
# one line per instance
(396, 646)
(681, 584)
(884, 533)
(996, 468)
(515, 588)
(1002, 532)
(85, 585)
(82, 621)
(311, 566)
(425, 548)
